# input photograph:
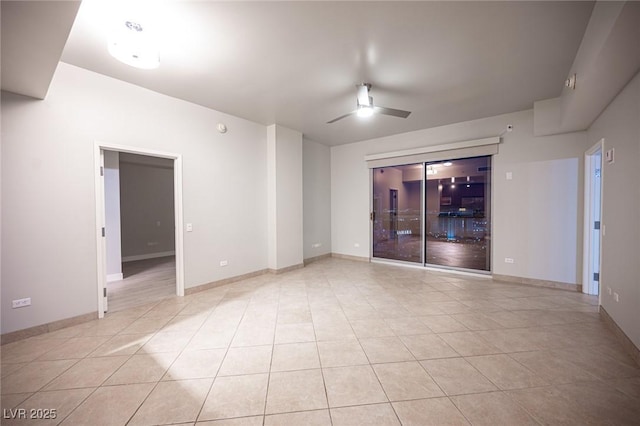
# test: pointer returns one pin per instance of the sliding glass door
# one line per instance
(397, 212)
(435, 213)
(458, 213)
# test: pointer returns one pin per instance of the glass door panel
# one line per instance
(397, 213)
(458, 213)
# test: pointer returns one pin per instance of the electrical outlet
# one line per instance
(316, 245)
(21, 303)
(356, 244)
(224, 262)
(616, 297)
(509, 175)
(609, 290)
(189, 227)
(508, 260)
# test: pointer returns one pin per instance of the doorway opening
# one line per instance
(139, 226)
(592, 219)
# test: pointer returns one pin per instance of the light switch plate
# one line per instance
(609, 156)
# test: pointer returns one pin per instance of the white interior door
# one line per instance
(596, 174)
(103, 239)
(592, 225)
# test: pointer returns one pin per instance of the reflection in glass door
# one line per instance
(458, 213)
(397, 212)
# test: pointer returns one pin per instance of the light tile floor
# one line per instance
(145, 281)
(335, 343)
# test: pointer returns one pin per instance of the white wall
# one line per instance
(271, 206)
(285, 217)
(537, 217)
(619, 125)
(147, 207)
(316, 193)
(48, 206)
(112, 215)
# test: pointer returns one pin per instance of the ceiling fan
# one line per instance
(365, 107)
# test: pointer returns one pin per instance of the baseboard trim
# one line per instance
(115, 277)
(627, 344)
(350, 257)
(225, 281)
(148, 256)
(37, 330)
(316, 258)
(538, 283)
(286, 269)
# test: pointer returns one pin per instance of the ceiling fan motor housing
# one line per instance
(363, 95)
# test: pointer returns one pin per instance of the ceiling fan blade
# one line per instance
(390, 111)
(341, 117)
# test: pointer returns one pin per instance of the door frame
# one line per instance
(101, 252)
(587, 271)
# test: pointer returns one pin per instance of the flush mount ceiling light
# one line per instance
(448, 163)
(131, 44)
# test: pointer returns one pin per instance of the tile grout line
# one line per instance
(315, 336)
(273, 347)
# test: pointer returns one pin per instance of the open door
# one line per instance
(592, 219)
(102, 240)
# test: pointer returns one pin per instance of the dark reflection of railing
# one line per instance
(456, 227)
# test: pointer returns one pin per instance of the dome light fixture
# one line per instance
(134, 46)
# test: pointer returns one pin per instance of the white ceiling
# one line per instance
(33, 36)
(297, 63)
